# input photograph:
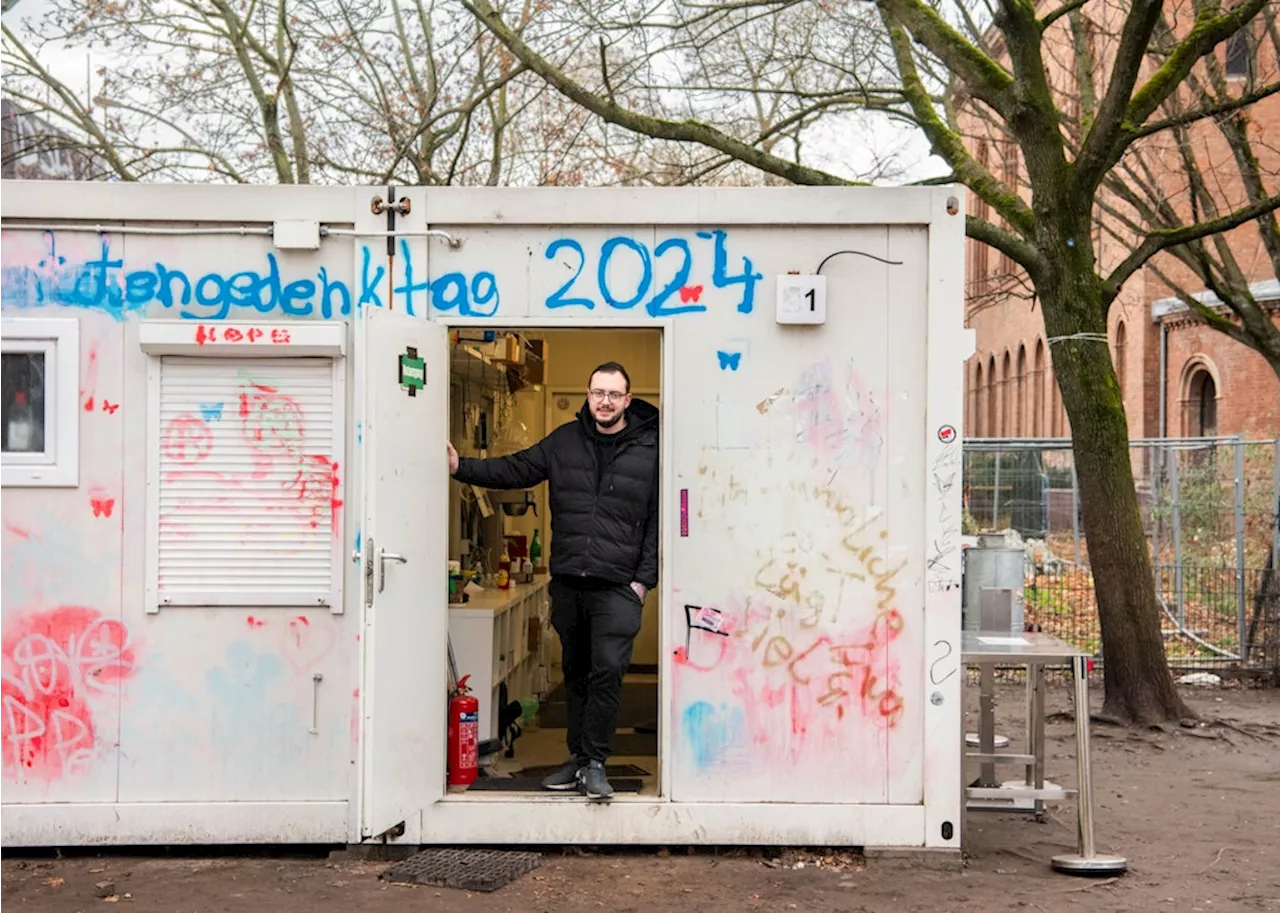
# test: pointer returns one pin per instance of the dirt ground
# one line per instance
(1196, 813)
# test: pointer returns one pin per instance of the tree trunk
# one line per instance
(1139, 684)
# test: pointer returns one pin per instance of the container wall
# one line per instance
(106, 701)
(794, 630)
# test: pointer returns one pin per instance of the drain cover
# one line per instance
(470, 870)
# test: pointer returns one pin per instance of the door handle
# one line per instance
(383, 557)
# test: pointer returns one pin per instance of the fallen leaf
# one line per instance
(114, 898)
(55, 882)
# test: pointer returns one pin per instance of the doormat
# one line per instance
(467, 870)
(526, 784)
(610, 770)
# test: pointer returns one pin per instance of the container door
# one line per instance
(405, 374)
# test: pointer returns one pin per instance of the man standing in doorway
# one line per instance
(602, 472)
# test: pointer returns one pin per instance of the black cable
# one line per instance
(860, 254)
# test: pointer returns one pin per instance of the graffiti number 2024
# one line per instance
(657, 305)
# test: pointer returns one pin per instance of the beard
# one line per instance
(610, 421)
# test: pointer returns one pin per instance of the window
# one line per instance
(39, 414)
(1202, 409)
(1006, 398)
(992, 426)
(1037, 394)
(979, 403)
(1020, 396)
(245, 479)
(1237, 55)
(1119, 358)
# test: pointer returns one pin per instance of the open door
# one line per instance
(405, 369)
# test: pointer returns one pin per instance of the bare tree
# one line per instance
(989, 63)
(301, 92)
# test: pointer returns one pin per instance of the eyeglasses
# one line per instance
(611, 395)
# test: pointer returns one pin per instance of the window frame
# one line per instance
(1238, 48)
(58, 339)
(160, 338)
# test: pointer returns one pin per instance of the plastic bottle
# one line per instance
(21, 429)
(504, 570)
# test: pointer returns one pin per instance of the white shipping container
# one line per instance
(203, 641)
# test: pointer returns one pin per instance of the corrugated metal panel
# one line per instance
(248, 481)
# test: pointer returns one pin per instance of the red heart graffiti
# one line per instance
(304, 645)
(690, 293)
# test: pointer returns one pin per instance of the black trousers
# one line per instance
(597, 627)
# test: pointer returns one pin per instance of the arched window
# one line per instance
(1020, 395)
(992, 427)
(1202, 404)
(1006, 397)
(979, 402)
(1037, 393)
(1055, 407)
(1119, 357)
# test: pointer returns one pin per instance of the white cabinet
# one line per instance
(503, 636)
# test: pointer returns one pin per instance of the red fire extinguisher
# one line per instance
(464, 735)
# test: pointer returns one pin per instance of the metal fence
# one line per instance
(1211, 512)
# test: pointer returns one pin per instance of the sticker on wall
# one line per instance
(684, 513)
(413, 371)
(946, 434)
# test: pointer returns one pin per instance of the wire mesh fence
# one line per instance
(1211, 512)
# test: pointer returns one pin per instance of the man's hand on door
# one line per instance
(453, 458)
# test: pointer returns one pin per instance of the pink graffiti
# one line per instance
(831, 416)
(272, 425)
(790, 676)
(186, 439)
(316, 488)
(304, 645)
(270, 422)
(55, 664)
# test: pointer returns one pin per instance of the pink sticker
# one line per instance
(684, 513)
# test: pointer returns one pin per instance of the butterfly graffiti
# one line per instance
(729, 361)
(102, 506)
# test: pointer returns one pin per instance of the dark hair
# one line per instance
(611, 367)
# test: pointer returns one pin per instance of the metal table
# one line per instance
(1035, 650)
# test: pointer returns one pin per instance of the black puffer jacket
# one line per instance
(607, 530)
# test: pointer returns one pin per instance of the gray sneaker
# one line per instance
(565, 776)
(593, 783)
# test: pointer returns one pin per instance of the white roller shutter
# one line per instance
(246, 484)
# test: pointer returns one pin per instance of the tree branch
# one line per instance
(950, 146)
(1190, 117)
(984, 78)
(1007, 243)
(689, 131)
(1160, 240)
(1053, 16)
(1111, 134)
(1205, 35)
(1096, 153)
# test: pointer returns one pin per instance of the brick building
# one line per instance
(34, 149)
(1179, 377)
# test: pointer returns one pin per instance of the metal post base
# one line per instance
(1076, 864)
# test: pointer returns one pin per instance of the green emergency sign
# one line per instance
(413, 371)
